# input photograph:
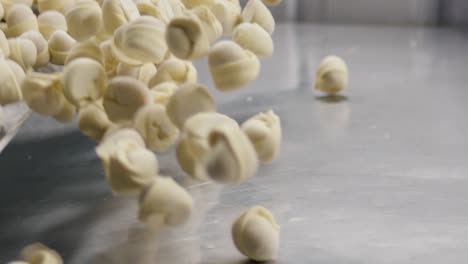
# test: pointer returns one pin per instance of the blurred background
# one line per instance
(394, 12)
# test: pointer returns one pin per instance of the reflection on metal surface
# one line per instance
(115, 236)
(333, 114)
(138, 246)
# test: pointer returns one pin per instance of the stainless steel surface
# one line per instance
(379, 175)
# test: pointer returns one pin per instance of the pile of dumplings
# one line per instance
(128, 76)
